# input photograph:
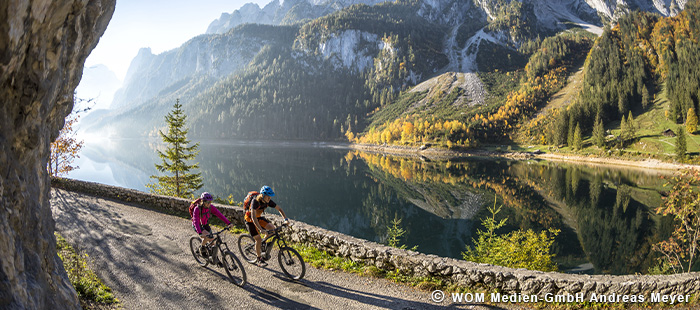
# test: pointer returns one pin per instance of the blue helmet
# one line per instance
(267, 191)
(206, 196)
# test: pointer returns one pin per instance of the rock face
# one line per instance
(43, 46)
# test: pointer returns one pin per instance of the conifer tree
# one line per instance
(623, 127)
(629, 128)
(578, 139)
(598, 132)
(181, 183)
(680, 144)
(691, 123)
(646, 98)
(572, 129)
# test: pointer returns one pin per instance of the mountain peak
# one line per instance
(286, 12)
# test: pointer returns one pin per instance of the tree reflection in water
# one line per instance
(605, 214)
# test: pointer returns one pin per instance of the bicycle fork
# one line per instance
(266, 248)
(213, 254)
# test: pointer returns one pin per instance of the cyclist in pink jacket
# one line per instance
(203, 209)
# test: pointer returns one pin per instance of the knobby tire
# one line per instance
(234, 269)
(291, 262)
(246, 245)
(195, 245)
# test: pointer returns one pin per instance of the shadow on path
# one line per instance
(119, 243)
(137, 258)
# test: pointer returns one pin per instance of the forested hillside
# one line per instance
(444, 123)
(643, 57)
(301, 97)
(485, 68)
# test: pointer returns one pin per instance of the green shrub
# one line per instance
(395, 232)
(517, 249)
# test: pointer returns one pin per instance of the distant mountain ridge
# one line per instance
(612, 9)
(99, 84)
(287, 12)
(214, 56)
(388, 47)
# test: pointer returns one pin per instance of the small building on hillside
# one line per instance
(669, 133)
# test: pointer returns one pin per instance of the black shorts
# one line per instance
(254, 230)
(204, 228)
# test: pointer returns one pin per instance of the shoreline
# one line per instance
(435, 153)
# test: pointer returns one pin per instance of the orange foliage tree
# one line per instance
(681, 250)
(65, 149)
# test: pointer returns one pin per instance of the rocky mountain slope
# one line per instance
(388, 47)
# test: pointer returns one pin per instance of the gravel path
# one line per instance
(143, 255)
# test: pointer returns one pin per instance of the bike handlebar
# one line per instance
(278, 228)
(220, 231)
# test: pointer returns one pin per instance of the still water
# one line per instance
(605, 214)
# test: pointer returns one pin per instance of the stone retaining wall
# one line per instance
(507, 280)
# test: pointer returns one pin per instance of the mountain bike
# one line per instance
(288, 258)
(218, 254)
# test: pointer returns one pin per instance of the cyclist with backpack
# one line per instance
(258, 202)
(200, 211)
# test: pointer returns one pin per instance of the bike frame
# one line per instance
(219, 245)
(276, 239)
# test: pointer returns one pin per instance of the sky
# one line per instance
(161, 25)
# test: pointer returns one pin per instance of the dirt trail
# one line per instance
(143, 256)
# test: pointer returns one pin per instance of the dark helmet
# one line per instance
(267, 191)
(206, 196)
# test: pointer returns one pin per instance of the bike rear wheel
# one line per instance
(195, 245)
(291, 263)
(246, 244)
(234, 269)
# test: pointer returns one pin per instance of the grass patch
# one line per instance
(93, 294)
(324, 260)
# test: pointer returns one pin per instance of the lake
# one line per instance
(605, 214)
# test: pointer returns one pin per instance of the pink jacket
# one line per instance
(199, 221)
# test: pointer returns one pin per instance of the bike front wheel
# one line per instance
(234, 269)
(291, 263)
(195, 245)
(246, 244)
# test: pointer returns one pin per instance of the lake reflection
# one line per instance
(605, 215)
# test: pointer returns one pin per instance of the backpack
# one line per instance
(193, 205)
(248, 198)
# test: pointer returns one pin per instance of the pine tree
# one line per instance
(559, 130)
(599, 132)
(680, 144)
(691, 123)
(623, 127)
(181, 183)
(570, 135)
(578, 139)
(646, 98)
(629, 128)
